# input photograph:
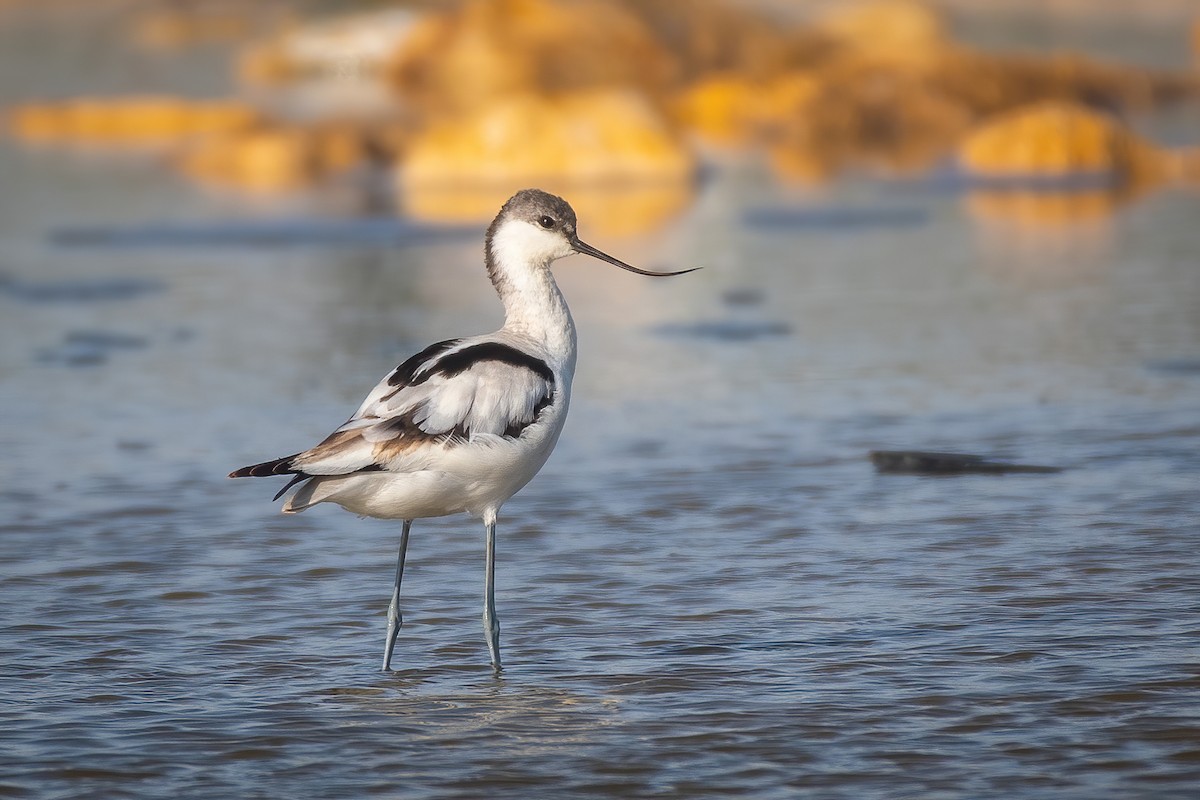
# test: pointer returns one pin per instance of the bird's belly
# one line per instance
(408, 495)
(476, 477)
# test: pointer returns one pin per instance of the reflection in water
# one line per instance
(802, 166)
(1044, 237)
(1046, 209)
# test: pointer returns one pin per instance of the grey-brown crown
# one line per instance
(531, 205)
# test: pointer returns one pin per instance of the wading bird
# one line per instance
(465, 423)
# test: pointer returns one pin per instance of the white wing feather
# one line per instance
(489, 397)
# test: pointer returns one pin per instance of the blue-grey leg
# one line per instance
(393, 615)
(491, 623)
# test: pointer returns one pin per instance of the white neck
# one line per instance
(518, 261)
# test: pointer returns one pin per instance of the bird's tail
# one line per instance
(280, 466)
(267, 469)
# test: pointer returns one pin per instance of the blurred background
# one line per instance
(434, 111)
(949, 225)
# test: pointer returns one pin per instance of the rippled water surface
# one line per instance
(708, 592)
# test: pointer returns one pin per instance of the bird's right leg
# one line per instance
(393, 615)
(491, 623)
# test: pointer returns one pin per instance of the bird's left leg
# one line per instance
(393, 615)
(491, 623)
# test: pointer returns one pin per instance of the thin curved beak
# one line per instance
(588, 250)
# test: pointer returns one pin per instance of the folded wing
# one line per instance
(449, 394)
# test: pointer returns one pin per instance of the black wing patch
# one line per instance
(403, 374)
(462, 360)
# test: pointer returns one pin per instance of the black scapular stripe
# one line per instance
(462, 360)
(404, 373)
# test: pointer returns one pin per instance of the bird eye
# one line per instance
(546, 222)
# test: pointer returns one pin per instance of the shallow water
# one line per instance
(708, 592)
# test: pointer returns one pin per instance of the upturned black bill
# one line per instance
(588, 250)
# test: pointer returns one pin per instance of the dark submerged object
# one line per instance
(919, 462)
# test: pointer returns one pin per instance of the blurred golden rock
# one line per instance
(456, 60)
(864, 111)
(904, 114)
(801, 166)
(728, 108)
(710, 37)
(129, 119)
(589, 92)
(896, 27)
(1183, 164)
(276, 157)
(263, 159)
(264, 64)
(1061, 141)
(991, 83)
(601, 136)
(721, 108)
(173, 28)
(1056, 139)
(350, 46)
(1051, 209)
